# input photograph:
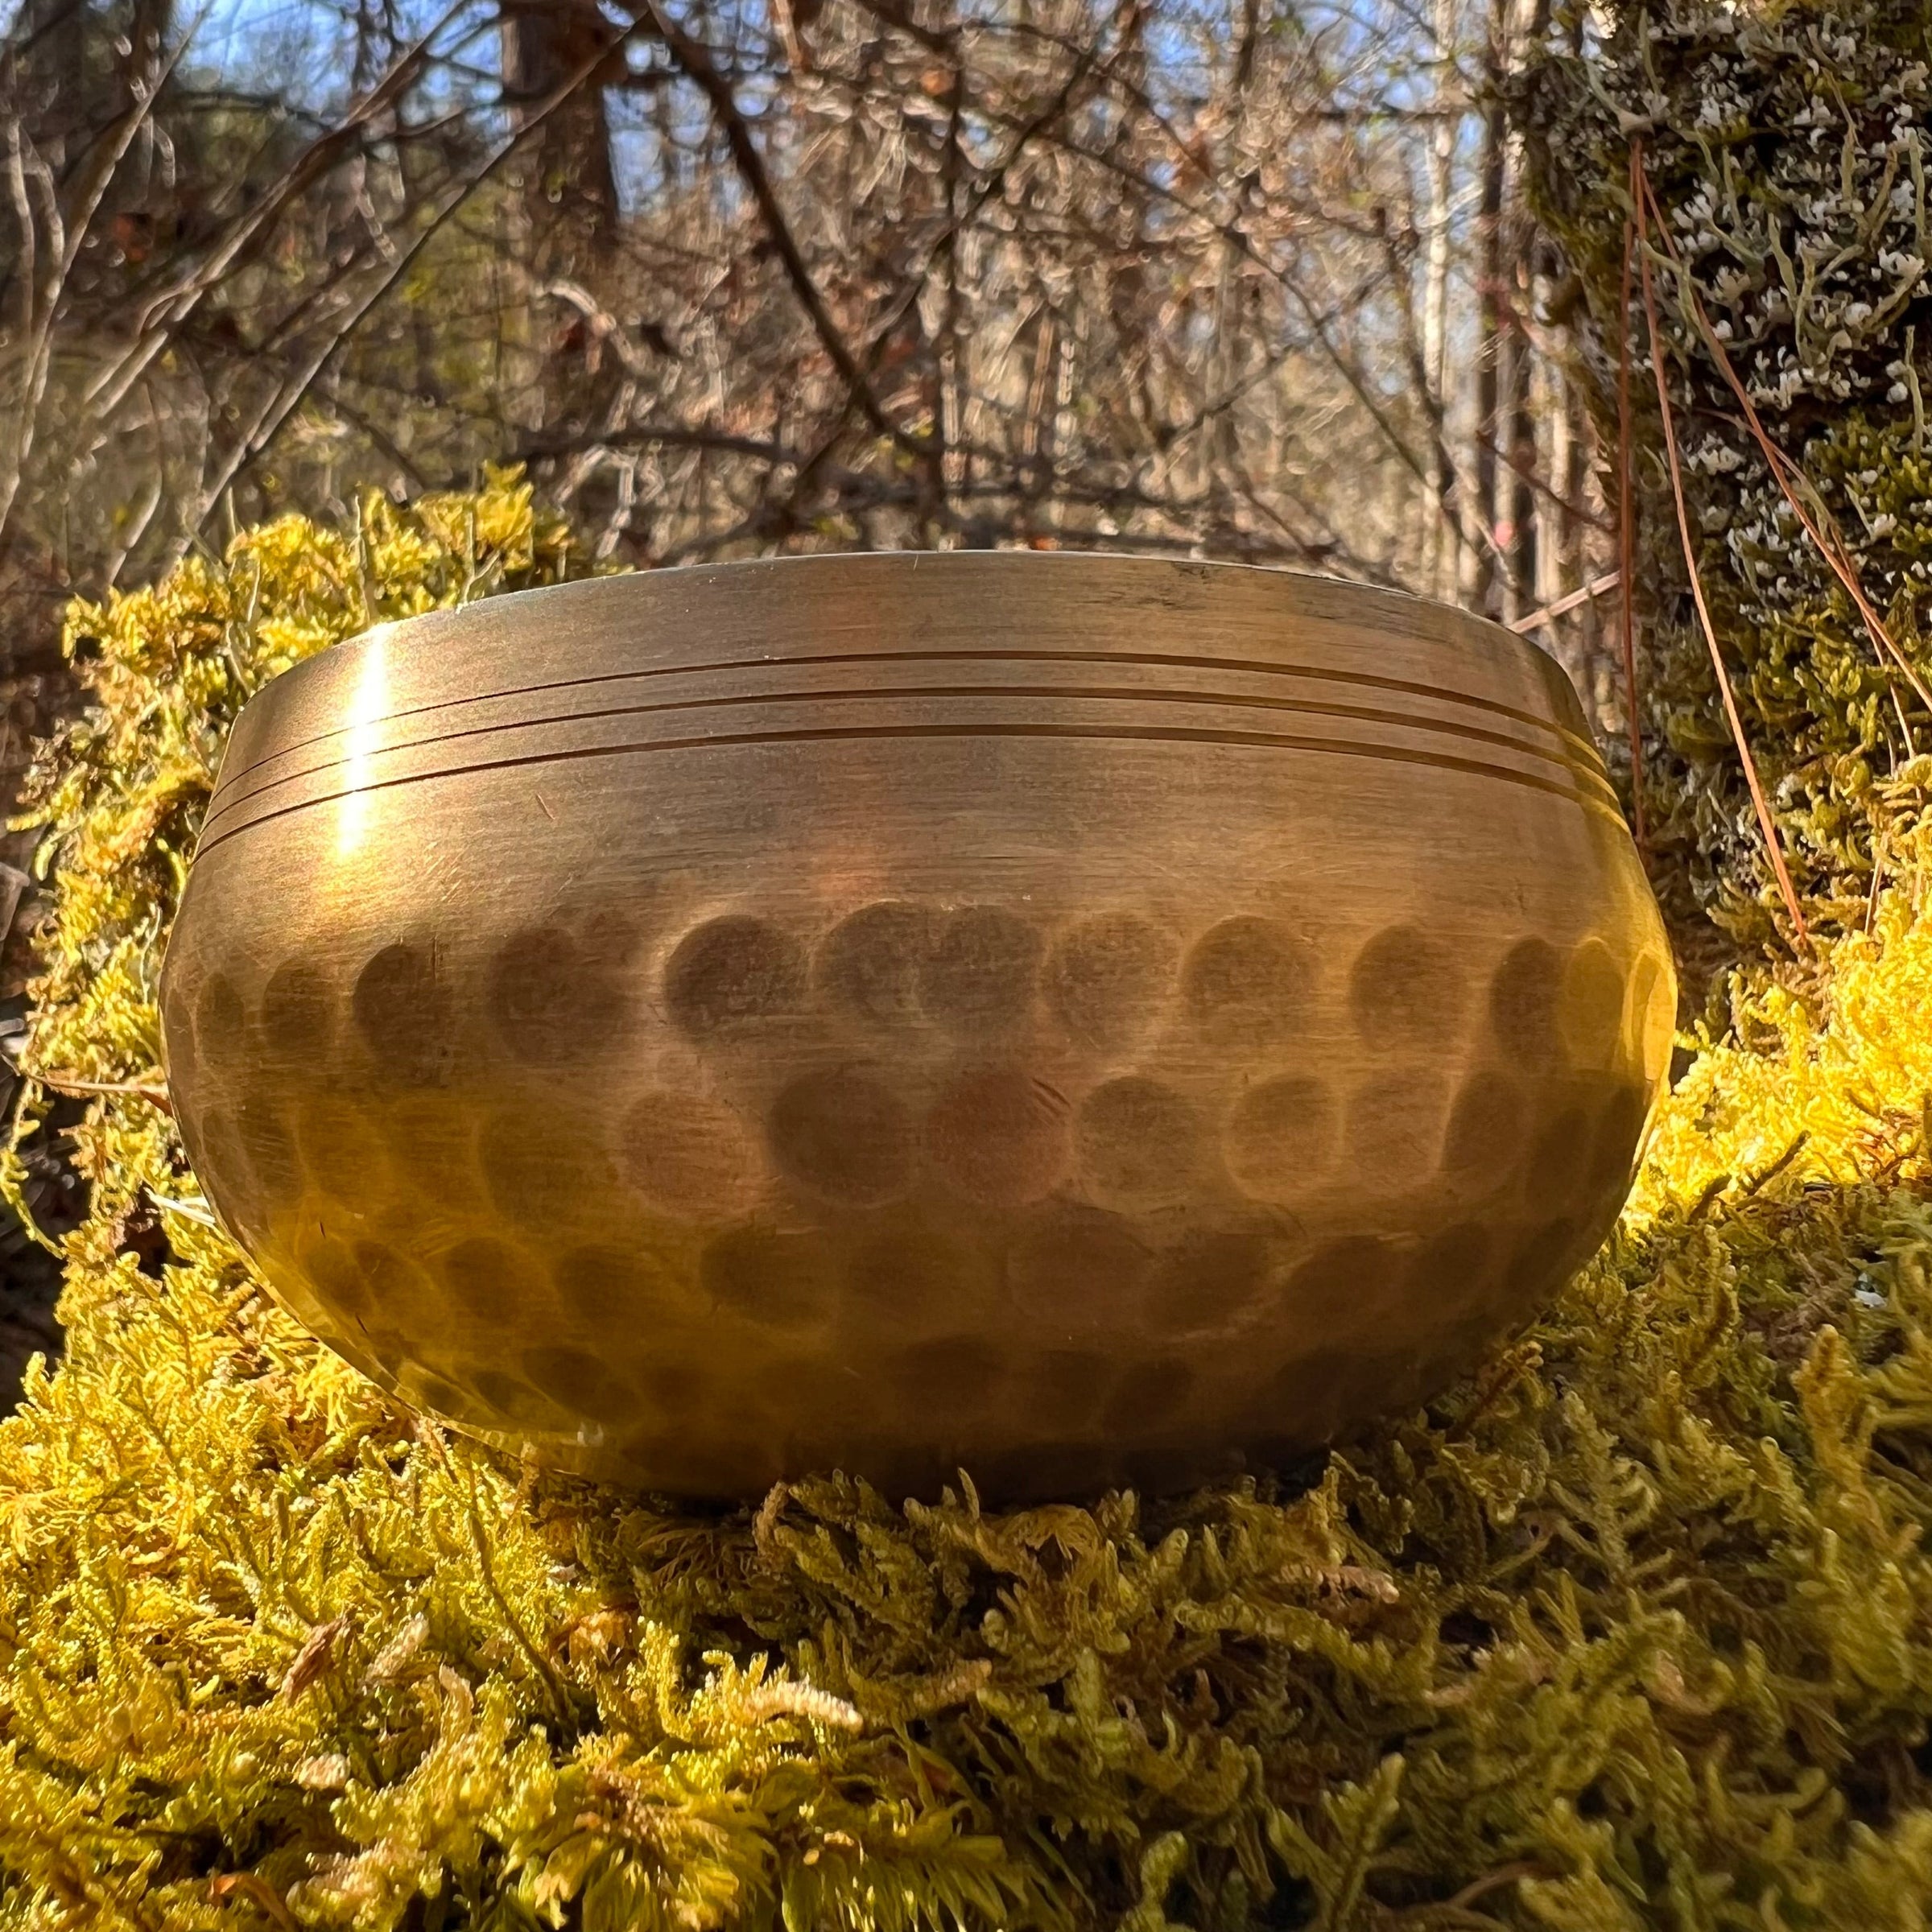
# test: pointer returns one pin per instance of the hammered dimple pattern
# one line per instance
(1107, 1022)
(945, 1243)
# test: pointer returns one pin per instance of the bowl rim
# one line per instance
(556, 659)
(668, 579)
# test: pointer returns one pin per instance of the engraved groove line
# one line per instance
(1263, 741)
(1327, 674)
(224, 804)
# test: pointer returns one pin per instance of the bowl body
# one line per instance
(1079, 1019)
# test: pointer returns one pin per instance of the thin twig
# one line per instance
(1585, 593)
(672, 435)
(164, 316)
(1477, 534)
(268, 424)
(1626, 518)
(1767, 824)
(1491, 1881)
(69, 234)
(140, 1090)
(193, 1210)
(1538, 485)
(251, 1885)
(694, 58)
(1784, 468)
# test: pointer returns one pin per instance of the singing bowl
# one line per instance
(1073, 1019)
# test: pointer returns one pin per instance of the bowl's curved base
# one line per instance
(1022, 1422)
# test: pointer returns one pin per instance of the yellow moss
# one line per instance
(1824, 1101)
(1631, 1629)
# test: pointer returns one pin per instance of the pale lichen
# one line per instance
(1788, 145)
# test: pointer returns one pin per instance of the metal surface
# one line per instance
(1080, 1018)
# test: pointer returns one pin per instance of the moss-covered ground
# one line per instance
(1633, 1628)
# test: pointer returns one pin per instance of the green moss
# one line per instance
(1788, 147)
(1633, 1630)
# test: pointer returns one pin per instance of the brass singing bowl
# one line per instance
(1073, 1019)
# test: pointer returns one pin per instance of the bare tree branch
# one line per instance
(694, 58)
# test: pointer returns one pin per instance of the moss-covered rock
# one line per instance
(1633, 1630)
(1789, 146)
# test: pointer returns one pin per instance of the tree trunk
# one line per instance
(566, 191)
(1491, 310)
(1443, 568)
